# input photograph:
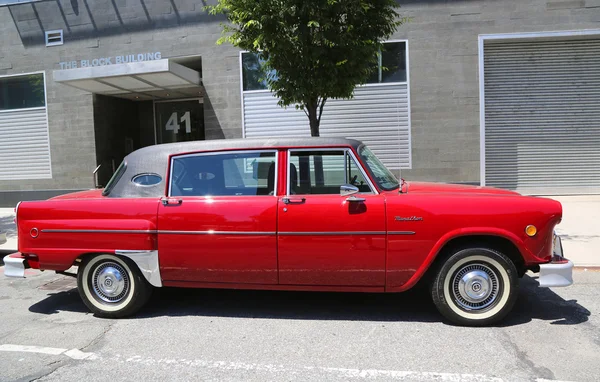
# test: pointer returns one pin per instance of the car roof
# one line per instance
(154, 159)
(245, 143)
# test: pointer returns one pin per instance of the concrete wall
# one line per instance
(443, 59)
(98, 28)
(444, 81)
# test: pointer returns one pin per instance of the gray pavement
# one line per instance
(47, 334)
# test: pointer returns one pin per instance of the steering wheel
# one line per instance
(353, 181)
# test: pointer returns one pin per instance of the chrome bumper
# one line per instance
(14, 266)
(558, 272)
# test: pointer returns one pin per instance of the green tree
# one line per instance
(319, 49)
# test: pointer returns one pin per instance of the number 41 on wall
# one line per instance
(173, 125)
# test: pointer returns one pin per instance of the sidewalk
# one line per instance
(579, 230)
(7, 225)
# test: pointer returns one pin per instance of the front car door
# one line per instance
(325, 238)
(218, 222)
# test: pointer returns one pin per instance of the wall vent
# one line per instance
(54, 37)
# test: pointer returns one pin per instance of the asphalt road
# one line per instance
(47, 334)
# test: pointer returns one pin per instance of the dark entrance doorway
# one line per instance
(122, 126)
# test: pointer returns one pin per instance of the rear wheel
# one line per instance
(111, 286)
(475, 287)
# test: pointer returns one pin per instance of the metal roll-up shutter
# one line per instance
(542, 115)
(377, 116)
(24, 144)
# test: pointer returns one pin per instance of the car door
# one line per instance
(218, 222)
(325, 238)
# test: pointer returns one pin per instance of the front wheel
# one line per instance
(111, 286)
(475, 287)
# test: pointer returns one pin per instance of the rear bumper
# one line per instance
(15, 265)
(559, 271)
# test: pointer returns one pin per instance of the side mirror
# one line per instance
(348, 189)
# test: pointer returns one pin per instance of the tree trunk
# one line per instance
(313, 118)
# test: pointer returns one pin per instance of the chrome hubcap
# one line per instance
(475, 286)
(110, 282)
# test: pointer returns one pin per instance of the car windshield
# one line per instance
(384, 178)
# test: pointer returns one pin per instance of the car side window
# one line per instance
(323, 172)
(224, 174)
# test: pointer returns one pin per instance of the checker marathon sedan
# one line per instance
(304, 214)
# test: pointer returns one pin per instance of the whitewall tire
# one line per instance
(112, 286)
(475, 287)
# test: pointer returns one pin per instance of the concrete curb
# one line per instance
(592, 268)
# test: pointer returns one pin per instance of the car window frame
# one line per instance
(172, 159)
(346, 150)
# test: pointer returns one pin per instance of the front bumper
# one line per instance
(559, 271)
(15, 265)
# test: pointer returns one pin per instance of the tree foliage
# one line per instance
(319, 49)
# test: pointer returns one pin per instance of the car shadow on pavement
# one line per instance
(413, 305)
(57, 302)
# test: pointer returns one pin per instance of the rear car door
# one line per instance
(218, 222)
(325, 238)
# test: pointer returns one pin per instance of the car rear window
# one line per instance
(115, 178)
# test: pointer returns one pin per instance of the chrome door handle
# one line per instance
(294, 200)
(355, 199)
(171, 201)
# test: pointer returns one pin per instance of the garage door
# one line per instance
(542, 115)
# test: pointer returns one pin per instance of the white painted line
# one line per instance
(31, 349)
(398, 375)
(73, 353)
(78, 354)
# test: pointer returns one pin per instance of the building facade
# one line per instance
(496, 92)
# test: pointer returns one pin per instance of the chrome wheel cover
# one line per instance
(475, 287)
(110, 282)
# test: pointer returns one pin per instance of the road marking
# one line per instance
(73, 353)
(78, 354)
(399, 375)
(31, 349)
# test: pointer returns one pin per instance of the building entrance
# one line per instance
(122, 126)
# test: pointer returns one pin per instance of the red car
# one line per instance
(312, 214)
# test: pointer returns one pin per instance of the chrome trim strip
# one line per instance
(147, 262)
(332, 233)
(98, 231)
(211, 232)
(401, 232)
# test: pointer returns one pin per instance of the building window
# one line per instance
(22, 92)
(24, 135)
(391, 67)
